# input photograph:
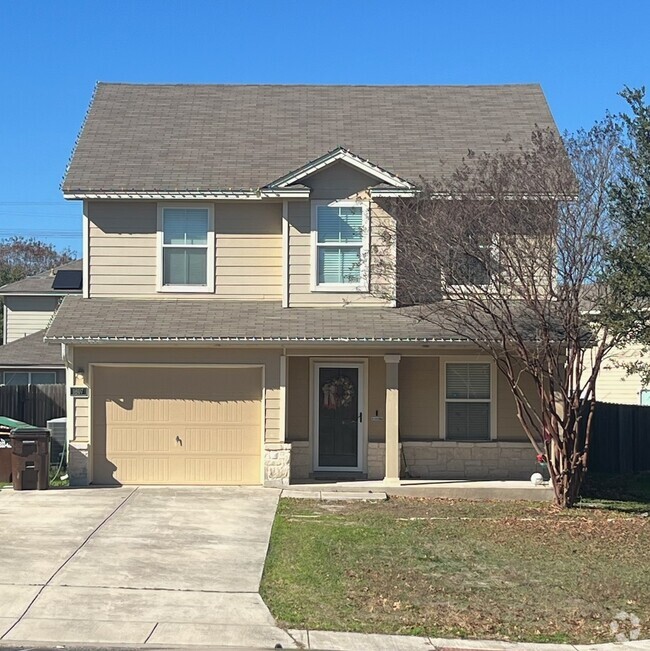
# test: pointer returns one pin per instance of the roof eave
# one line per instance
(284, 341)
(230, 195)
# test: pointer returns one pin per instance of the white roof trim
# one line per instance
(252, 195)
(347, 157)
(392, 192)
(101, 340)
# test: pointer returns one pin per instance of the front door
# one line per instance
(338, 416)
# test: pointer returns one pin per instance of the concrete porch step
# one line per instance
(334, 495)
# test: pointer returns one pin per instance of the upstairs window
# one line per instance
(468, 401)
(340, 246)
(467, 270)
(187, 249)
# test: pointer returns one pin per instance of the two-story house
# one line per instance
(230, 329)
(28, 307)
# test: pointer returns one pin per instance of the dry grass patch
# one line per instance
(501, 570)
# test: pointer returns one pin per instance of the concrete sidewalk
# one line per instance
(334, 641)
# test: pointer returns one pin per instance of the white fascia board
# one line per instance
(41, 294)
(380, 192)
(254, 340)
(347, 157)
(272, 193)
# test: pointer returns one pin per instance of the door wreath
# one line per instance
(338, 392)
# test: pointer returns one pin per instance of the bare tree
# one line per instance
(509, 253)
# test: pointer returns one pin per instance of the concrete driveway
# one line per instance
(155, 565)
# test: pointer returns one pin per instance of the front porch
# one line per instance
(436, 488)
(401, 416)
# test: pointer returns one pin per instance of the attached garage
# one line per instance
(180, 425)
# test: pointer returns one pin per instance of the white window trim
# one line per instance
(451, 287)
(364, 280)
(211, 270)
(29, 376)
(442, 393)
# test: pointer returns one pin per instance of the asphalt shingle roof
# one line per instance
(41, 283)
(31, 351)
(112, 319)
(217, 137)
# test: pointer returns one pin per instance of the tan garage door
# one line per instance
(176, 426)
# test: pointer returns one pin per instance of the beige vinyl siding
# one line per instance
(268, 358)
(249, 251)
(376, 388)
(81, 420)
(419, 391)
(338, 181)
(28, 314)
(298, 399)
(122, 248)
(123, 254)
(508, 426)
(614, 384)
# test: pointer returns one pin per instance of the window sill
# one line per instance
(185, 289)
(340, 289)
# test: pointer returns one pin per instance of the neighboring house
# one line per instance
(615, 384)
(228, 331)
(29, 305)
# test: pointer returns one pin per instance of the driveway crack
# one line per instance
(67, 560)
(155, 626)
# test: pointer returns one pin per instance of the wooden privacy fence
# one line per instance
(620, 440)
(34, 403)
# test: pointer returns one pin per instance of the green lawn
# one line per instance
(629, 493)
(505, 570)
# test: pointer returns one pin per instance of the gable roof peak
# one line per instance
(340, 154)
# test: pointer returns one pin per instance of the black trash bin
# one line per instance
(30, 459)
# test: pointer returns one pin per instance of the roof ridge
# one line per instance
(535, 84)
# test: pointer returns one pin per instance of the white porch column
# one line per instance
(392, 419)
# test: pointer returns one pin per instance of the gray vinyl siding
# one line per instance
(28, 314)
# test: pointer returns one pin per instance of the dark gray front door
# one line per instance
(338, 417)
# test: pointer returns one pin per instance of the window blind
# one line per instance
(186, 226)
(468, 421)
(340, 224)
(468, 381)
(467, 408)
(338, 265)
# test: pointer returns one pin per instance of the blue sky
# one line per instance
(53, 52)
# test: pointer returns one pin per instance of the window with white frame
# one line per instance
(11, 378)
(468, 398)
(339, 245)
(187, 248)
(467, 270)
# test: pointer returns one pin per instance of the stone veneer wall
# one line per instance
(300, 460)
(78, 463)
(469, 460)
(376, 460)
(277, 464)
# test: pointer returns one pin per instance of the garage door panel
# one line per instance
(139, 410)
(180, 439)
